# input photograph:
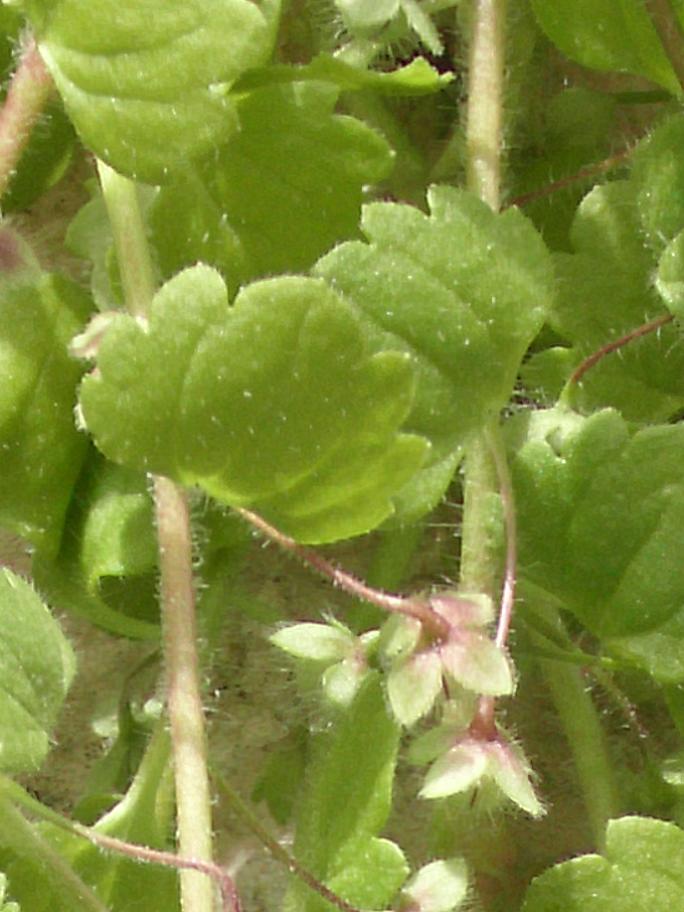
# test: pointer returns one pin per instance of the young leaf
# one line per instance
(271, 403)
(40, 448)
(607, 35)
(346, 804)
(600, 514)
(278, 195)
(463, 290)
(146, 84)
(438, 887)
(640, 863)
(36, 668)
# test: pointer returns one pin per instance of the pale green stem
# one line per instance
(28, 93)
(485, 100)
(135, 267)
(193, 794)
(183, 692)
(482, 505)
(24, 839)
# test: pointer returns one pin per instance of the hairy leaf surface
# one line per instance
(639, 868)
(36, 668)
(272, 403)
(464, 291)
(147, 83)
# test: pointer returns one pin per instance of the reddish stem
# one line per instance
(397, 604)
(633, 334)
(27, 95)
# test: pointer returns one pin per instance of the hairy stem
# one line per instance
(28, 93)
(485, 100)
(183, 693)
(396, 604)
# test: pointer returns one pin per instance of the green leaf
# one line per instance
(106, 567)
(600, 514)
(36, 668)
(367, 15)
(439, 886)
(415, 78)
(271, 403)
(294, 163)
(464, 291)
(605, 291)
(607, 35)
(640, 867)
(345, 805)
(147, 84)
(658, 177)
(40, 449)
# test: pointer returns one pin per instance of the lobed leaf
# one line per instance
(639, 868)
(147, 83)
(36, 669)
(272, 403)
(464, 291)
(600, 513)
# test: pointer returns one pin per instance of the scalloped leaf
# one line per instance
(464, 290)
(640, 867)
(272, 403)
(147, 83)
(601, 510)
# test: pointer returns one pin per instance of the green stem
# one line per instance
(23, 839)
(193, 794)
(582, 726)
(130, 239)
(27, 95)
(183, 692)
(485, 100)
(670, 32)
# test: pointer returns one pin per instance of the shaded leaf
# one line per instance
(36, 669)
